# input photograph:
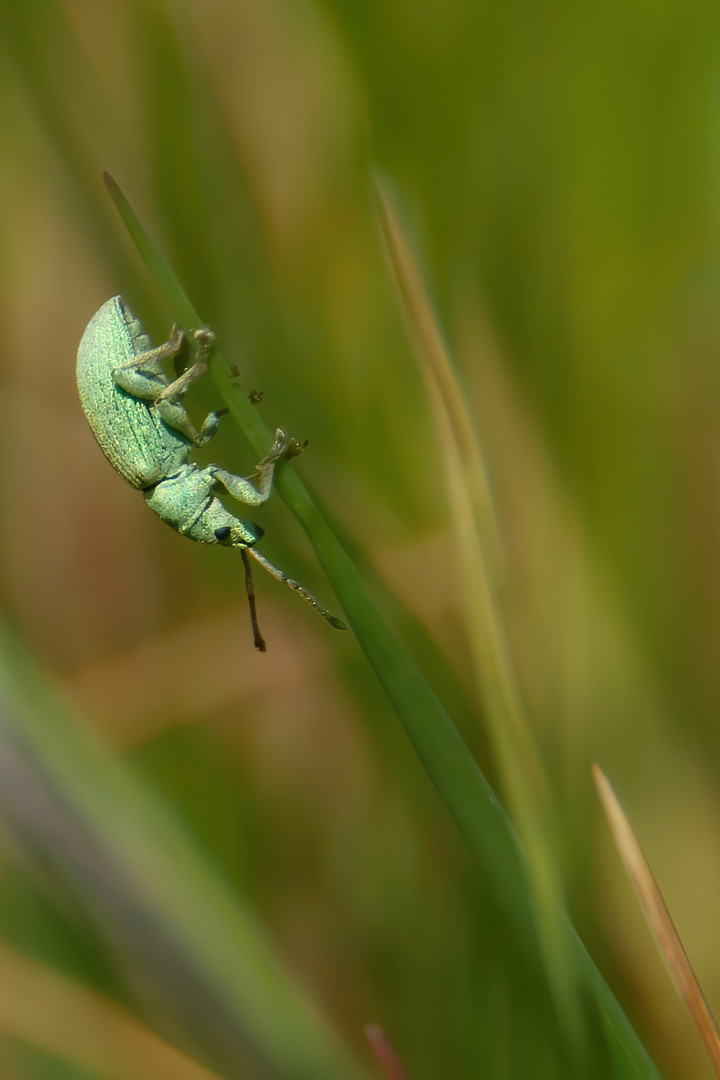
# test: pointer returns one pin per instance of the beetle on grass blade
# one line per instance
(139, 419)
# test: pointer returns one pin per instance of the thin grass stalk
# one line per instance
(661, 923)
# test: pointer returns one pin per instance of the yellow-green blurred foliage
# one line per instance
(558, 166)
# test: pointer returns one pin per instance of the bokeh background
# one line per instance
(558, 172)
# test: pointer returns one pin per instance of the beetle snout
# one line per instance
(244, 535)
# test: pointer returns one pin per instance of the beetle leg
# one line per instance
(143, 376)
(284, 446)
(244, 490)
(175, 416)
(211, 423)
(203, 341)
(257, 488)
(147, 385)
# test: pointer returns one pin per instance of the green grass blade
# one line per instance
(160, 269)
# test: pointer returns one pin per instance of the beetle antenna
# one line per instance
(250, 590)
(279, 575)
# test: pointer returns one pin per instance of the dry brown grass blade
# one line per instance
(659, 917)
(445, 395)
(59, 1015)
(479, 556)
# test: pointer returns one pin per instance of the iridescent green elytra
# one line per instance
(138, 417)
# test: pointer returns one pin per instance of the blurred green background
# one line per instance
(558, 170)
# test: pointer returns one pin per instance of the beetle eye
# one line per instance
(222, 533)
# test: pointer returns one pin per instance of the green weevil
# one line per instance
(142, 426)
